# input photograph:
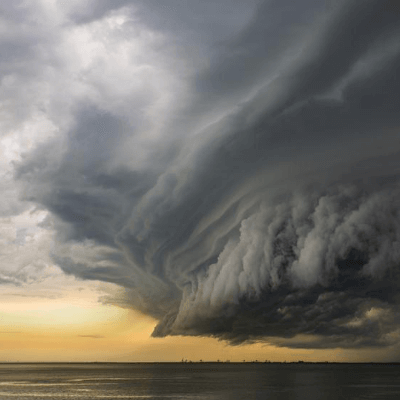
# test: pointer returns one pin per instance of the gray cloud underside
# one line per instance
(281, 217)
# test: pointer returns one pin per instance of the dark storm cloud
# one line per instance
(278, 221)
(93, 10)
(238, 63)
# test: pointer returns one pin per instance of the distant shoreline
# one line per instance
(197, 362)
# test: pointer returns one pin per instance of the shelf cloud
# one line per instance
(233, 167)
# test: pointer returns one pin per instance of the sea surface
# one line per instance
(206, 381)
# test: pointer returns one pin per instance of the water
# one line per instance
(207, 381)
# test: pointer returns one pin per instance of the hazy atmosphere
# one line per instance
(200, 179)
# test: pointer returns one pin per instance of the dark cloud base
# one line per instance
(343, 301)
(326, 313)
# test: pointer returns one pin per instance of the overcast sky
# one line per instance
(233, 166)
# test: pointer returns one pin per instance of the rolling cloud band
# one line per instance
(268, 208)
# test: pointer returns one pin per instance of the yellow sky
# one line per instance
(77, 327)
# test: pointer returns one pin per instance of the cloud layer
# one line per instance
(234, 168)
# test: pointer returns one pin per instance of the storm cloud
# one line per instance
(233, 168)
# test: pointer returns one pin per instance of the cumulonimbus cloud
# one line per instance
(276, 215)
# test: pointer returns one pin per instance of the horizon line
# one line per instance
(203, 362)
